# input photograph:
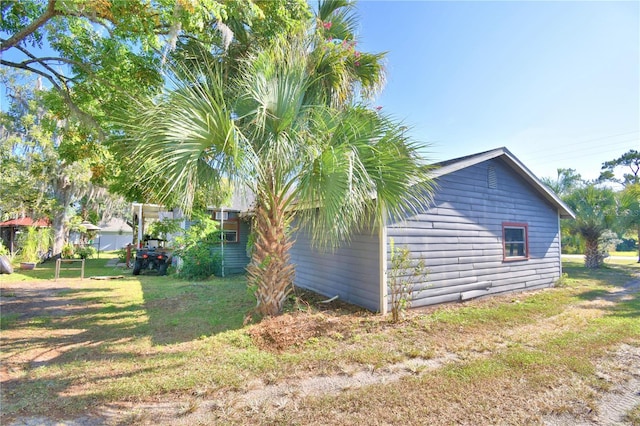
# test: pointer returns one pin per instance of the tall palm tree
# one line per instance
(330, 167)
(595, 212)
(346, 72)
(630, 209)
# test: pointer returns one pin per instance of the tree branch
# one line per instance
(64, 91)
(41, 61)
(63, 78)
(31, 28)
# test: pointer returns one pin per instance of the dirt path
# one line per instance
(620, 369)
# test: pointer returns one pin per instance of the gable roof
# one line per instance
(116, 224)
(450, 166)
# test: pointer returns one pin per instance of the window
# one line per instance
(230, 226)
(230, 229)
(515, 241)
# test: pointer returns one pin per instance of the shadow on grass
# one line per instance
(622, 287)
(60, 335)
(47, 271)
(179, 311)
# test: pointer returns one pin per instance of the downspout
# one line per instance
(382, 255)
(140, 224)
(222, 237)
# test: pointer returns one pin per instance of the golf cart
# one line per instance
(152, 256)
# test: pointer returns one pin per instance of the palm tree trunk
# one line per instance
(592, 258)
(270, 271)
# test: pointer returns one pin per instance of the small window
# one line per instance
(230, 230)
(515, 241)
(230, 227)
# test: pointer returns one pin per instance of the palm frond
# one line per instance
(340, 18)
(187, 127)
(273, 108)
(363, 166)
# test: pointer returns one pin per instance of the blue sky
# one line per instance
(557, 83)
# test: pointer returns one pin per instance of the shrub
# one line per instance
(122, 254)
(608, 241)
(68, 251)
(34, 243)
(199, 249)
(199, 262)
(627, 244)
(402, 277)
(163, 228)
(86, 252)
(3, 250)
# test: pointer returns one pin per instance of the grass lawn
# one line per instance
(631, 253)
(73, 347)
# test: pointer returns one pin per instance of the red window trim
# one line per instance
(526, 241)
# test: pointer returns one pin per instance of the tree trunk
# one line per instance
(592, 257)
(59, 232)
(63, 197)
(638, 243)
(270, 271)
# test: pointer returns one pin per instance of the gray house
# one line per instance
(114, 234)
(492, 227)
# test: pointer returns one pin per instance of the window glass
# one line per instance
(515, 241)
(230, 230)
(229, 225)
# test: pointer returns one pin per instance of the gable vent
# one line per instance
(492, 180)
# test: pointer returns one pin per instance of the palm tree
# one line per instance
(329, 166)
(344, 71)
(630, 210)
(595, 210)
(566, 181)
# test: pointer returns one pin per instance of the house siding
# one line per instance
(235, 254)
(114, 240)
(350, 272)
(459, 236)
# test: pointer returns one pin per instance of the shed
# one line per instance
(492, 227)
(10, 228)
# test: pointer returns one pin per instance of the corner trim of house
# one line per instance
(559, 245)
(382, 247)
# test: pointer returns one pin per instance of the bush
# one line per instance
(122, 255)
(403, 276)
(86, 252)
(68, 251)
(608, 241)
(3, 250)
(199, 262)
(34, 243)
(199, 249)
